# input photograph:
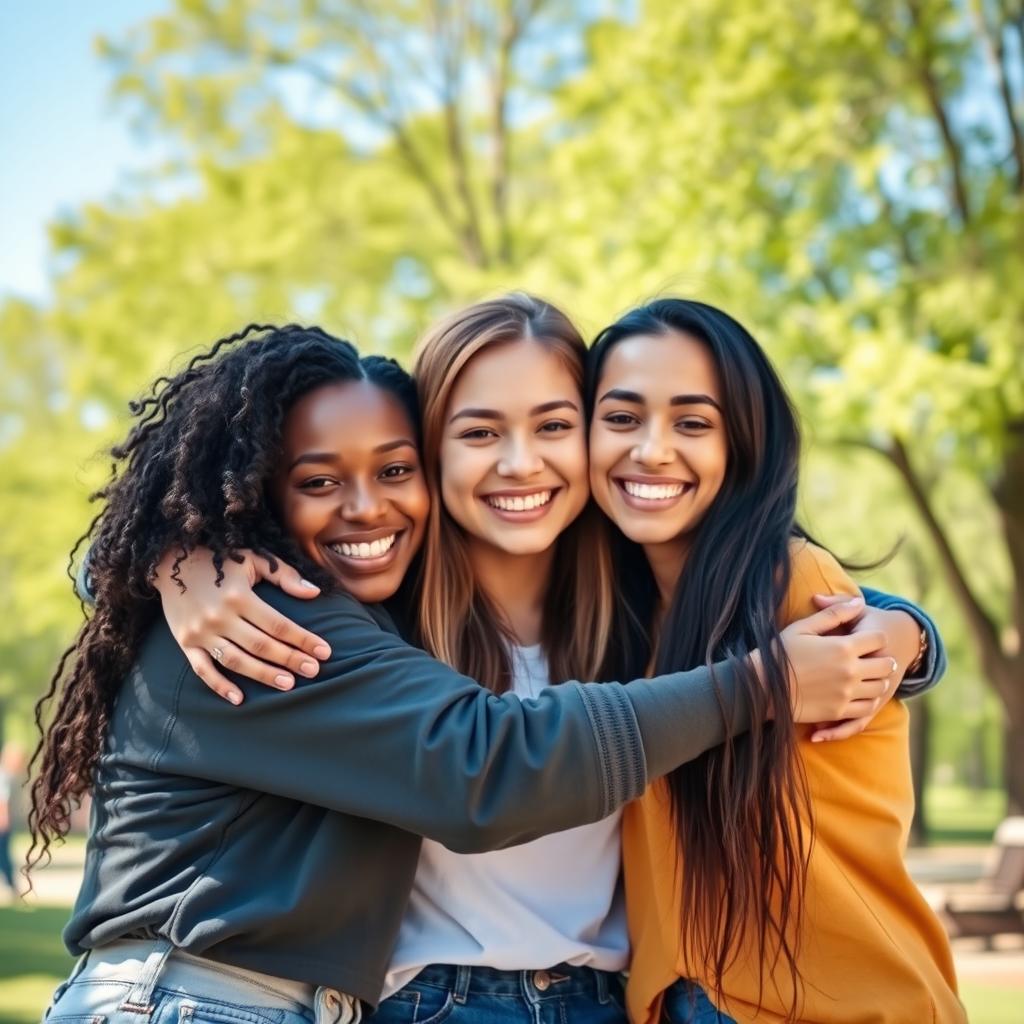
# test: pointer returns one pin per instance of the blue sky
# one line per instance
(62, 140)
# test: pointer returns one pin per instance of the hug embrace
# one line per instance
(566, 718)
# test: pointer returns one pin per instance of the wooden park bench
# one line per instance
(993, 905)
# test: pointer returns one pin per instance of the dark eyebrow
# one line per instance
(694, 400)
(332, 457)
(312, 457)
(621, 395)
(494, 414)
(390, 446)
(558, 403)
(477, 414)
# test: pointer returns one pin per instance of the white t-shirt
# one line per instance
(555, 900)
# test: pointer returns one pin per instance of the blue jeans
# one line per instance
(482, 995)
(150, 982)
(687, 1003)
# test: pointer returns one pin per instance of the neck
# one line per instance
(517, 584)
(667, 561)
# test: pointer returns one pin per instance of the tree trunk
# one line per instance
(920, 763)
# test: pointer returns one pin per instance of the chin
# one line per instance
(371, 591)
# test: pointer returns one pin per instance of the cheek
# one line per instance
(602, 458)
(302, 518)
(416, 504)
(573, 462)
(459, 478)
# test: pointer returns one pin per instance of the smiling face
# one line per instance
(658, 445)
(350, 489)
(513, 454)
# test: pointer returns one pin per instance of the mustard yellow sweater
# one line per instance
(871, 950)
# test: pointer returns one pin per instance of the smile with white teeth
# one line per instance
(653, 492)
(372, 549)
(518, 502)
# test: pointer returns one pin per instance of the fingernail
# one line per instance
(283, 682)
(309, 668)
(856, 600)
(322, 651)
(817, 739)
(235, 698)
(308, 585)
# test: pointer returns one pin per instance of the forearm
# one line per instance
(933, 667)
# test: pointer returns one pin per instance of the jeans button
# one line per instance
(541, 981)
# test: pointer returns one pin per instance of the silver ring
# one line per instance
(217, 654)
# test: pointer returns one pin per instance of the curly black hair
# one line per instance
(193, 472)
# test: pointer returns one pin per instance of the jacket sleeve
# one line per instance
(389, 733)
(934, 666)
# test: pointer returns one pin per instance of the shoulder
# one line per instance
(336, 608)
(812, 570)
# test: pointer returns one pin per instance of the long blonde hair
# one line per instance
(458, 622)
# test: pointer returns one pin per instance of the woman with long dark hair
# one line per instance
(767, 874)
(255, 863)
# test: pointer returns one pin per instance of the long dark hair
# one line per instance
(741, 811)
(194, 471)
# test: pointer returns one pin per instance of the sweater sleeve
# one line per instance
(389, 733)
(934, 666)
(815, 571)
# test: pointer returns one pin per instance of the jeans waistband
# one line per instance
(552, 982)
(128, 960)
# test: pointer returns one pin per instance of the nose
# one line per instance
(520, 460)
(363, 504)
(653, 449)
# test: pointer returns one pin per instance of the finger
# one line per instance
(833, 617)
(877, 669)
(276, 626)
(202, 665)
(244, 664)
(277, 661)
(867, 708)
(827, 600)
(840, 730)
(287, 578)
(868, 641)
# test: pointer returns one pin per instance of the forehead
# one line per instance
(352, 414)
(660, 366)
(518, 374)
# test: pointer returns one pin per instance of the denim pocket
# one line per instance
(687, 1003)
(198, 1012)
(415, 1004)
(74, 1018)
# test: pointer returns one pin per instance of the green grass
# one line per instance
(33, 961)
(989, 1004)
(957, 814)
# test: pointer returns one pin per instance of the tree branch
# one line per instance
(929, 81)
(451, 52)
(995, 49)
(980, 621)
(402, 139)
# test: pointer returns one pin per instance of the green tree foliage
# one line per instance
(846, 177)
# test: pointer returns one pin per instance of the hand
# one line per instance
(902, 635)
(833, 678)
(254, 640)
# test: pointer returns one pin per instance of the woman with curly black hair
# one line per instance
(254, 863)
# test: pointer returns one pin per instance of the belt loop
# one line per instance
(462, 978)
(140, 998)
(602, 986)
